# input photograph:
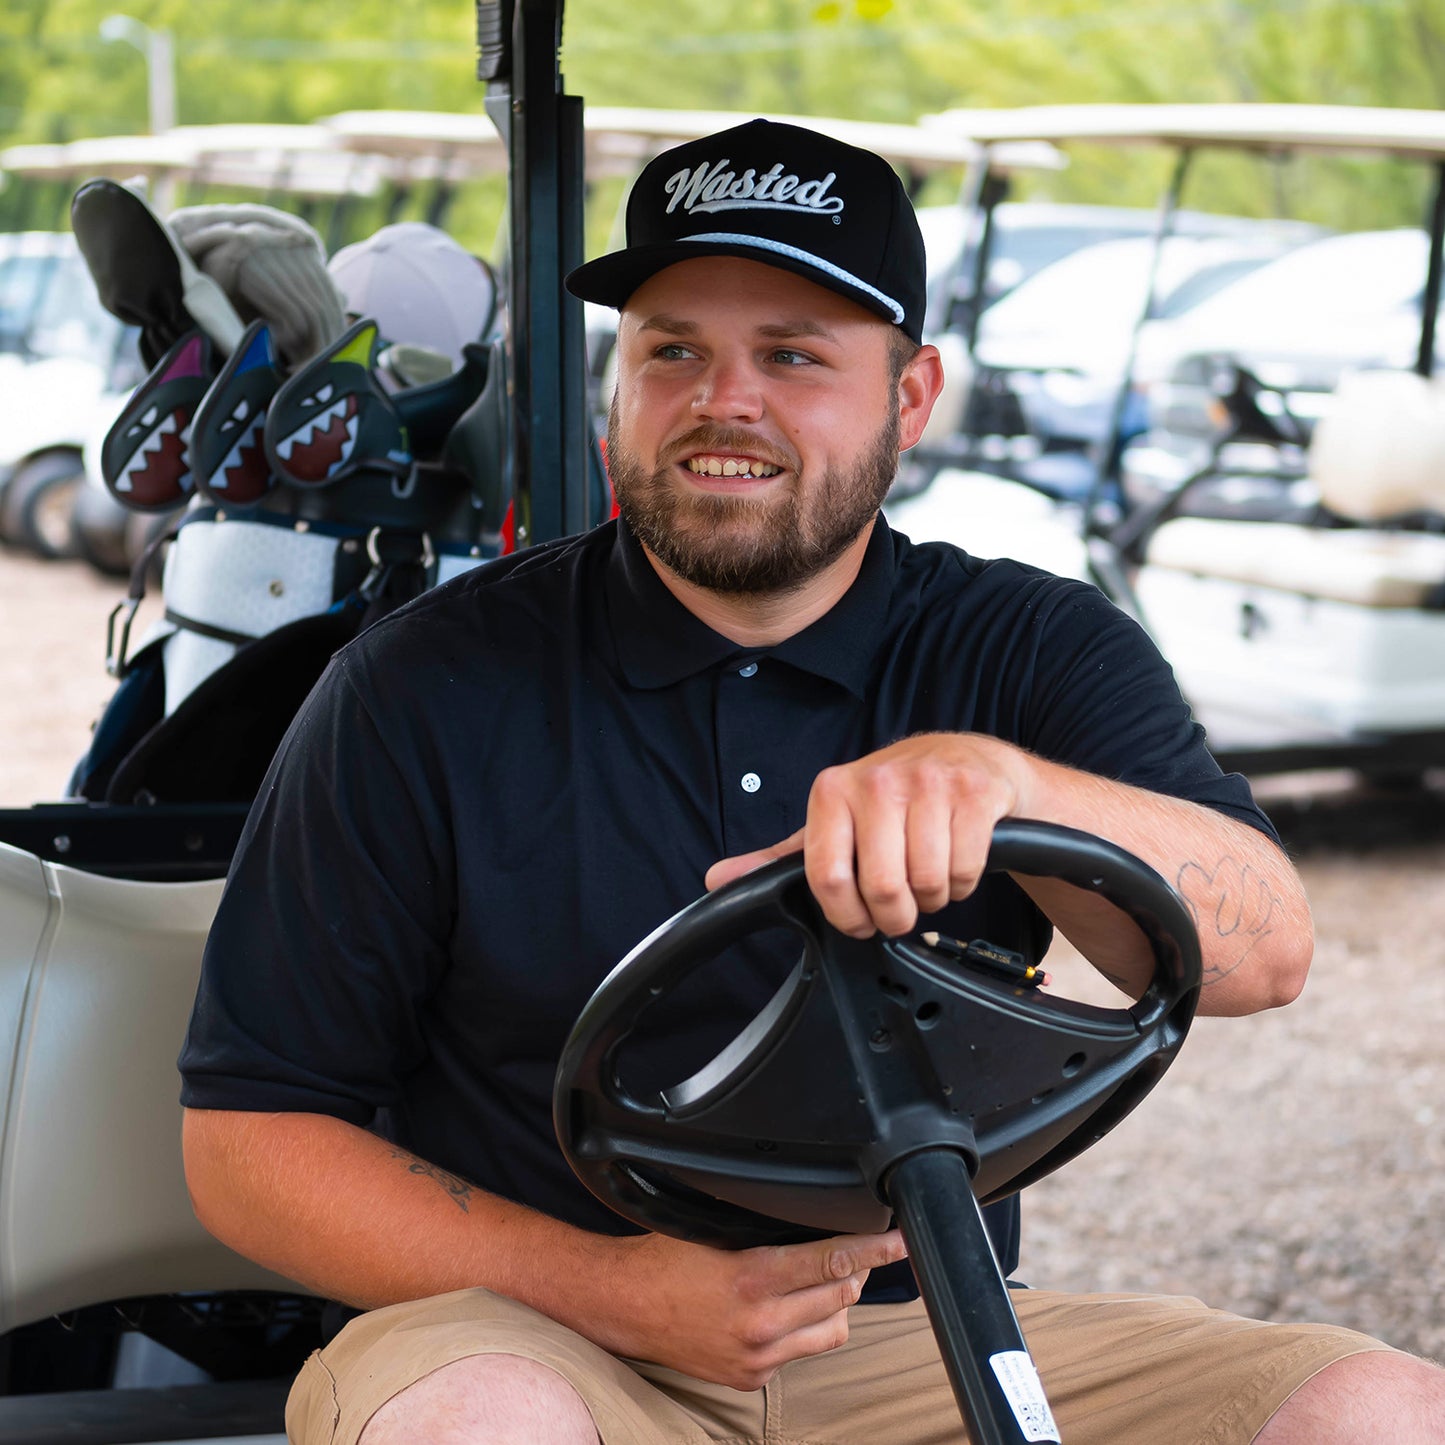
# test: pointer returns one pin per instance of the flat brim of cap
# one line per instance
(611, 280)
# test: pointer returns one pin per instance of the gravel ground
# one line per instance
(1291, 1165)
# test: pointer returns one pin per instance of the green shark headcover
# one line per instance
(332, 418)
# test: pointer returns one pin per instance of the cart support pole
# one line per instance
(1430, 302)
(968, 1302)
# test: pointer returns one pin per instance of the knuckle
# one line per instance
(830, 784)
(930, 881)
(884, 891)
(831, 877)
(879, 782)
(755, 1332)
(962, 882)
(933, 778)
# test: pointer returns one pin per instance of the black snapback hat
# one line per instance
(780, 194)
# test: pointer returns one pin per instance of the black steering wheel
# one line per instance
(884, 1079)
(870, 1050)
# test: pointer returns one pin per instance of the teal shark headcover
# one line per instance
(144, 458)
(228, 458)
(332, 418)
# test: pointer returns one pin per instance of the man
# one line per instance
(499, 790)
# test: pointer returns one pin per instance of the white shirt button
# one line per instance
(748, 671)
(751, 782)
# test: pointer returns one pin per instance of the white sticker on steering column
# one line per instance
(1019, 1381)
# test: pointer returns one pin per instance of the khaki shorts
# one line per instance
(1116, 1368)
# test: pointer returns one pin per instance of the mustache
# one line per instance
(725, 440)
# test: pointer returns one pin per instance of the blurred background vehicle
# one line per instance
(1050, 359)
(28, 262)
(1337, 305)
(68, 363)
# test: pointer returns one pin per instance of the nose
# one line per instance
(728, 391)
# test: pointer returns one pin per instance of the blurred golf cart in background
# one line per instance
(1042, 374)
(1346, 303)
(1301, 600)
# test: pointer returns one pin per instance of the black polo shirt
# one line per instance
(496, 792)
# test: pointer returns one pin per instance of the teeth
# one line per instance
(302, 435)
(347, 445)
(731, 467)
(251, 437)
(141, 457)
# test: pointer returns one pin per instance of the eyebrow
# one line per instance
(774, 331)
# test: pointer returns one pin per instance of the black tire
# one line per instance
(38, 504)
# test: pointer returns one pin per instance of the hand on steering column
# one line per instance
(735, 1317)
(901, 831)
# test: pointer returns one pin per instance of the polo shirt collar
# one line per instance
(659, 642)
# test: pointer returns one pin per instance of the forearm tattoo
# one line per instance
(457, 1188)
(1234, 910)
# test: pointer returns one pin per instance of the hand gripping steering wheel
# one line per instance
(884, 1079)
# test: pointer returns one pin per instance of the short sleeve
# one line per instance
(1104, 699)
(333, 926)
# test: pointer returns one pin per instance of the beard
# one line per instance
(749, 546)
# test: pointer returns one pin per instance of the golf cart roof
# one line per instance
(114, 156)
(451, 144)
(298, 159)
(618, 140)
(1342, 129)
(636, 133)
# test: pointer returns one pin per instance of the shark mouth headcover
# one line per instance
(144, 458)
(332, 418)
(228, 456)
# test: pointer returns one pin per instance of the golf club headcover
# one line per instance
(332, 418)
(272, 266)
(144, 458)
(144, 276)
(228, 458)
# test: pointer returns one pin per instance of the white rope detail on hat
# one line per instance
(798, 254)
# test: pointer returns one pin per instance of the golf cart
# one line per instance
(105, 902)
(1300, 598)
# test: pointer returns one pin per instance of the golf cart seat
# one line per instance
(1366, 566)
(96, 980)
(1377, 458)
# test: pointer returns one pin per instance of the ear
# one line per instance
(918, 389)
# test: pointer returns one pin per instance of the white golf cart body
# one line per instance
(96, 977)
(1298, 645)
